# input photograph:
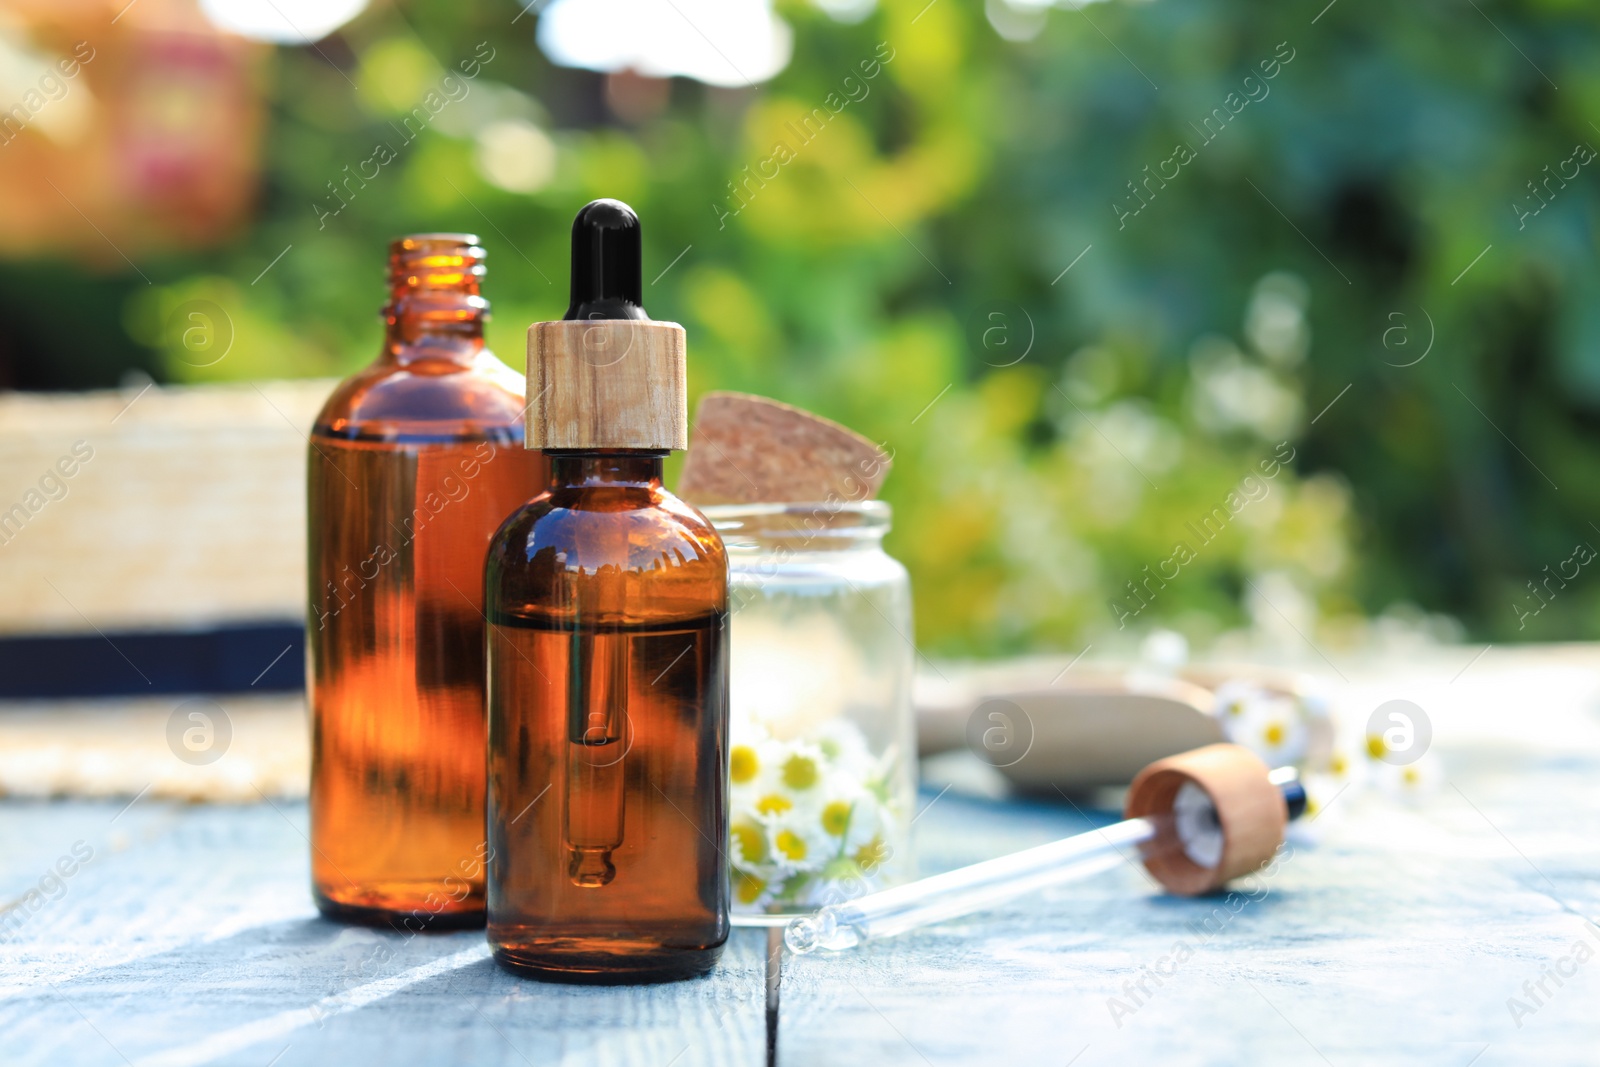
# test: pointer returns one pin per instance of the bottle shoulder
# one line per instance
(638, 528)
(425, 398)
(636, 556)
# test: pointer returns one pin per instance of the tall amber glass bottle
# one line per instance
(414, 462)
(608, 672)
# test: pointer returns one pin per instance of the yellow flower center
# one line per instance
(749, 841)
(1236, 707)
(747, 887)
(871, 854)
(1274, 734)
(1376, 747)
(742, 764)
(836, 817)
(791, 844)
(774, 804)
(800, 772)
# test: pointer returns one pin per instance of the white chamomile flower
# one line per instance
(1347, 765)
(1410, 781)
(755, 772)
(855, 818)
(1234, 697)
(808, 820)
(795, 778)
(750, 847)
(752, 892)
(1271, 725)
(755, 876)
(802, 767)
(751, 757)
(799, 843)
(845, 747)
(858, 827)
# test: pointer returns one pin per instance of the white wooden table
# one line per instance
(1398, 937)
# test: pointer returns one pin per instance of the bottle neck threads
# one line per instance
(434, 298)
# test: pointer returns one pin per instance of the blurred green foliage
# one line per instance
(1055, 431)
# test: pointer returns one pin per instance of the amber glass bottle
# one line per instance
(413, 464)
(608, 691)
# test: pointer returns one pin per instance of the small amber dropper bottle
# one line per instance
(413, 463)
(608, 678)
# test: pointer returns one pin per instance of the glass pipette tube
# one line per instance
(984, 885)
(966, 889)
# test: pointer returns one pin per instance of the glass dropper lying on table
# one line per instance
(1192, 826)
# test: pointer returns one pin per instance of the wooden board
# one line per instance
(1079, 735)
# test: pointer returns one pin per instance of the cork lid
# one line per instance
(752, 450)
(606, 375)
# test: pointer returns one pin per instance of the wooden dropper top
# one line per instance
(606, 376)
(1251, 812)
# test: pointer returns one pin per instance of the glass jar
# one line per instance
(822, 764)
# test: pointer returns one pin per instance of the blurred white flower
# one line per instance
(1275, 321)
(1409, 782)
(1323, 788)
(845, 747)
(862, 822)
(1140, 435)
(1233, 698)
(1231, 393)
(1272, 725)
(1122, 447)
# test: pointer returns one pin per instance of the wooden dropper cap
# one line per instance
(606, 375)
(1250, 808)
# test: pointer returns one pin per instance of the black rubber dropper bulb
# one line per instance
(606, 263)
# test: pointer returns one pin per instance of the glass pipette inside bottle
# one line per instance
(1192, 826)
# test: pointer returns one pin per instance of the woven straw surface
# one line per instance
(189, 509)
